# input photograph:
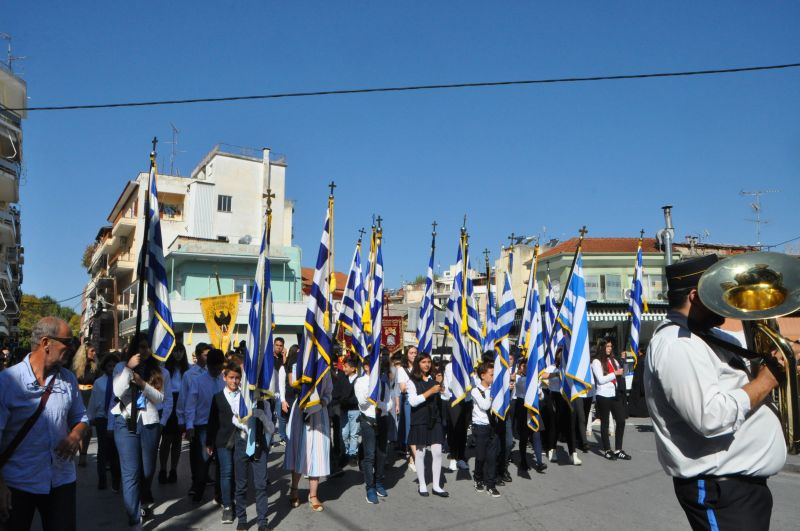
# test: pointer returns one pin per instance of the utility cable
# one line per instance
(409, 88)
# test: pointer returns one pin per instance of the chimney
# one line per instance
(668, 234)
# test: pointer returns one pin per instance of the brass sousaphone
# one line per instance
(757, 288)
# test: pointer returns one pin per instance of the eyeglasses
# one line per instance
(69, 342)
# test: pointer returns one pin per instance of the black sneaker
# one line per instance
(506, 477)
(500, 483)
(242, 526)
(611, 456)
(622, 455)
(227, 515)
(479, 487)
(540, 467)
(493, 492)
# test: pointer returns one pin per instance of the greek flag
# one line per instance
(314, 360)
(551, 328)
(501, 384)
(456, 320)
(160, 333)
(532, 339)
(351, 316)
(576, 378)
(637, 305)
(473, 318)
(376, 307)
(490, 325)
(425, 324)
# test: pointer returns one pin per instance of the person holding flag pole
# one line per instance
(138, 382)
(502, 385)
(308, 447)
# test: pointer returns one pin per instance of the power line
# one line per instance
(782, 243)
(409, 88)
(55, 302)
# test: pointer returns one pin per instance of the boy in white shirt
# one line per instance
(486, 442)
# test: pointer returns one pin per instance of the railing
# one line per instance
(128, 299)
(255, 153)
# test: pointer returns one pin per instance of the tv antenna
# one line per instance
(756, 206)
(10, 57)
(174, 151)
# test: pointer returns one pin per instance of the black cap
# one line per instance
(686, 273)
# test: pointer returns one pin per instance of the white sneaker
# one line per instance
(575, 459)
(412, 466)
(453, 465)
(462, 465)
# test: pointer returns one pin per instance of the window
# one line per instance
(604, 288)
(613, 287)
(245, 287)
(593, 288)
(654, 287)
(224, 203)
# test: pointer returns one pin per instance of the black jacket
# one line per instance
(221, 431)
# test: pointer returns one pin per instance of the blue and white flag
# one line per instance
(552, 331)
(490, 324)
(425, 324)
(473, 321)
(457, 328)
(532, 340)
(576, 378)
(351, 316)
(501, 384)
(637, 304)
(314, 360)
(160, 333)
(376, 308)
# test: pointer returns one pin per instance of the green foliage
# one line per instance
(34, 308)
(86, 259)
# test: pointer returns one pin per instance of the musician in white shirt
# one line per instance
(714, 434)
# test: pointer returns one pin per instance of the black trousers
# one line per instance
(106, 454)
(565, 421)
(503, 448)
(486, 452)
(457, 429)
(547, 409)
(57, 509)
(579, 422)
(616, 407)
(725, 503)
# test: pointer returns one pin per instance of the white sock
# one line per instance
(419, 462)
(436, 466)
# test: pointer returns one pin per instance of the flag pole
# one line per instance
(583, 231)
(142, 267)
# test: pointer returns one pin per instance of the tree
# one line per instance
(34, 308)
(86, 259)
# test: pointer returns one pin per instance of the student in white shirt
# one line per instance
(609, 399)
(403, 380)
(374, 422)
(98, 411)
(177, 366)
(487, 445)
(139, 386)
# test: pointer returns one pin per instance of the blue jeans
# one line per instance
(137, 456)
(282, 425)
(375, 444)
(405, 423)
(225, 462)
(260, 481)
(350, 433)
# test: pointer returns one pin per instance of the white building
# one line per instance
(13, 93)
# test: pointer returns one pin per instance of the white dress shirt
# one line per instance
(482, 403)
(361, 390)
(606, 383)
(553, 378)
(233, 398)
(520, 387)
(703, 421)
(122, 380)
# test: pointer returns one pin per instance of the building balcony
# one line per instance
(125, 226)
(8, 230)
(122, 263)
(9, 182)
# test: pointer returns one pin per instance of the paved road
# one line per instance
(598, 495)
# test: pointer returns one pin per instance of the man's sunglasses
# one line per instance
(69, 342)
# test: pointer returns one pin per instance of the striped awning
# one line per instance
(616, 315)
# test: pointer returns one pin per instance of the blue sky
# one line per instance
(607, 155)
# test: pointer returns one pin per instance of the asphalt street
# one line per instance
(600, 494)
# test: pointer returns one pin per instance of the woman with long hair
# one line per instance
(139, 386)
(309, 443)
(610, 399)
(426, 422)
(84, 366)
(176, 365)
(403, 382)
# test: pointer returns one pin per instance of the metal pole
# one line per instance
(142, 270)
(669, 233)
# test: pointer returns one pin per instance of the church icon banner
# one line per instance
(219, 313)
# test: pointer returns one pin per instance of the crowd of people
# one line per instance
(142, 410)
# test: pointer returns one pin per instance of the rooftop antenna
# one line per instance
(174, 151)
(756, 206)
(10, 57)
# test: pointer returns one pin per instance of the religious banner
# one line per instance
(220, 313)
(392, 333)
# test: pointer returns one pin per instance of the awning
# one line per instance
(615, 315)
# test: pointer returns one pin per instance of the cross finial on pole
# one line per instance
(155, 143)
(583, 231)
(361, 233)
(512, 238)
(332, 185)
(486, 254)
(641, 234)
(378, 220)
(434, 225)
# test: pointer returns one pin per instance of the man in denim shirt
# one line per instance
(40, 474)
